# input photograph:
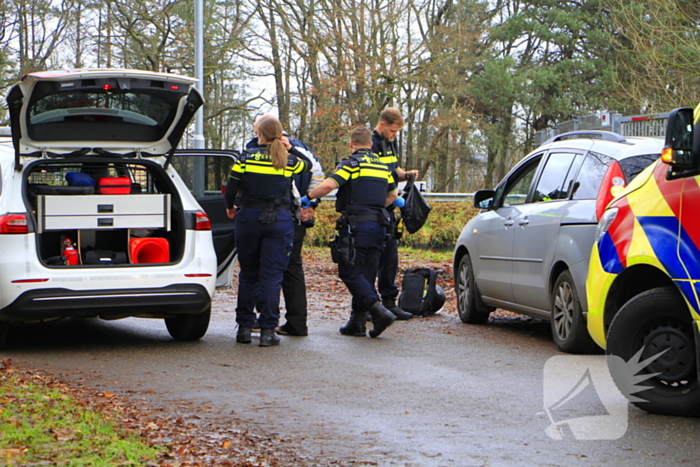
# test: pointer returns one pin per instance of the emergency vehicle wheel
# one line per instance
(189, 327)
(569, 329)
(657, 321)
(466, 294)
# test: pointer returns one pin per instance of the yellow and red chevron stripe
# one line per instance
(650, 228)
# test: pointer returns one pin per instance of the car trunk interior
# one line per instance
(97, 212)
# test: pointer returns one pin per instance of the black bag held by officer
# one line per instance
(416, 209)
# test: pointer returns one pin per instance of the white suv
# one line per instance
(94, 220)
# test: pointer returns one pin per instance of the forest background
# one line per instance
(474, 79)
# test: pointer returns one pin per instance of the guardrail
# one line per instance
(430, 197)
(434, 197)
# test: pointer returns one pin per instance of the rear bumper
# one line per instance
(162, 302)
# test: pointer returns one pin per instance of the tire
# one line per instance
(189, 327)
(569, 329)
(466, 294)
(4, 332)
(657, 320)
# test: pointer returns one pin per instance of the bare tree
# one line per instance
(39, 31)
(658, 48)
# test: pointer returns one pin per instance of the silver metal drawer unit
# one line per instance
(75, 212)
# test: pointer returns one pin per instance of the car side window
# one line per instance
(552, 184)
(591, 175)
(517, 187)
(217, 170)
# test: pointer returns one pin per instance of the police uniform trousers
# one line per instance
(389, 264)
(294, 286)
(263, 255)
(359, 278)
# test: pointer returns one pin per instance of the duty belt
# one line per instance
(276, 203)
(353, 219)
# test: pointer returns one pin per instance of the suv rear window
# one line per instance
(103, 110)
(128, 107)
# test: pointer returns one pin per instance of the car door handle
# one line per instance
(525, 221)
(509, 223)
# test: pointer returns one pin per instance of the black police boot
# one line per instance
(355, 325)
(268, 338)
(390, 304)
(381, 319)
(243, 335)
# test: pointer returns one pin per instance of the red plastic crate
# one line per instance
(114, 185)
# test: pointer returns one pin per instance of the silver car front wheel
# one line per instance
(568, 323)
(466, 294)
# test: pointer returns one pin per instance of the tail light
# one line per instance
(202, 221)
(13, 224)
(613, 184)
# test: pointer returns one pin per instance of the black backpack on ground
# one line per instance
(419, 294)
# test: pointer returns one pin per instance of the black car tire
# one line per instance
(189, 327)
(658, 319)
(4, 332)
(569, 329)
(466, 294)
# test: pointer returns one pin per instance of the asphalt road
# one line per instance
(428, 392)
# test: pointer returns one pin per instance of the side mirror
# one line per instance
(678, 147)
(483, 199)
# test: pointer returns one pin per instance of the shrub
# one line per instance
(440, 232)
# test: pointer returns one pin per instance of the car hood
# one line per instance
(100, 112)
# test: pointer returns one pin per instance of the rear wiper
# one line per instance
(103, 152)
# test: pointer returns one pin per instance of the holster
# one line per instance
(397, 228)
(269, 207)
(342, 244)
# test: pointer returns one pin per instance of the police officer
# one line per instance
(294, 282)
(365, 188)
(384, 146)
(264, 227)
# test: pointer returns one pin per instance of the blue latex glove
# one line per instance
(305, 202)
(400, 202)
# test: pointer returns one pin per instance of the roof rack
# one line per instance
(588, 134)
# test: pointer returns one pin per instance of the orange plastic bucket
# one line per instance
(149, 250)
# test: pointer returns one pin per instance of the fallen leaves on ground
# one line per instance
(183, 437)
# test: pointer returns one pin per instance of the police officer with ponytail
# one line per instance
(365, 188)
(264, 227)
(294, 283)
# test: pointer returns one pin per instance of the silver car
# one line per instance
(527, 250)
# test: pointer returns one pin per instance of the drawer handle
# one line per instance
(105, 208)
(105, 222)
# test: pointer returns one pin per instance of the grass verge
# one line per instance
(42, 424)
